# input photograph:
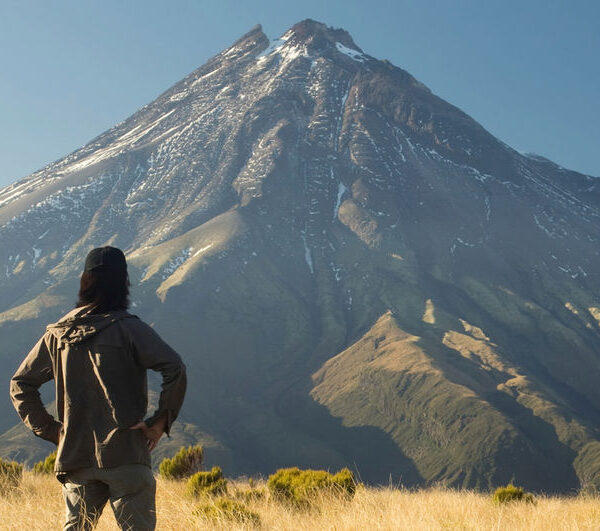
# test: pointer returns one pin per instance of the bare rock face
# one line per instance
(354, 270)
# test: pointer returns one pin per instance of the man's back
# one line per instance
(98, 362)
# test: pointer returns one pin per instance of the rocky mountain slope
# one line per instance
(354, 270)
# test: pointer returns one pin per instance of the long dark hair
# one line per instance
(105, 290)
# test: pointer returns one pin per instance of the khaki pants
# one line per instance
(131, 490)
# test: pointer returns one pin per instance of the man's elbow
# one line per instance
(183, 373)
(175, 373)
(16, 392)
(181, 380)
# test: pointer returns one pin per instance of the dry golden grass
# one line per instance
(38, 505)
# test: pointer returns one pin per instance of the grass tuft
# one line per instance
(229, 510)
(11, 473)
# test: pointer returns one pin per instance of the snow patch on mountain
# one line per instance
(16, 190)
(287, 51)
(340, 193)
(36, 255)
(274, 46)
(307, 254)
(173, 264)
(64, 204)
(122, 144)
(353, 54)
(202, 249)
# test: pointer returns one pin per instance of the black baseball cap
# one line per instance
(105, 259)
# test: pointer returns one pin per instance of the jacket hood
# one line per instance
(80, 325)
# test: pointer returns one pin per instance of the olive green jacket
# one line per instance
(98, 363)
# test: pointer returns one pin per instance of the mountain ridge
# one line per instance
(356, 272)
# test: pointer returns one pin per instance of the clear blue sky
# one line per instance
(527, 70)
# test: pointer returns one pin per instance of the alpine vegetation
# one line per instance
(510, 493)
(185, 463)
(301, 487)
(210, 483)
(46, 466)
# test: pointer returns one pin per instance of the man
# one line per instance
(98, 355)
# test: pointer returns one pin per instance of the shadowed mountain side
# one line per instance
(442, 411)
(367, 449)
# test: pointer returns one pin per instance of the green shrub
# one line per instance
(210, 483)
(185, 463)
(11, 473)
(249, 495)
(226, 509)
(46, 466)
(301, 486)
(511, 493)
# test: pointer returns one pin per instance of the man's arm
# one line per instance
(35, 370)
(153, 353)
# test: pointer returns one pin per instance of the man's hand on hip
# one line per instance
(152, 433)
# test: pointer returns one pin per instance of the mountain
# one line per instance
(355, 271)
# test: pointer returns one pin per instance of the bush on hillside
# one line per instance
(301, 486)
(249, 495)
(511, 493)
(11, 473)
(46, 466)
(211, 483)
(226, 509)
(185, 463)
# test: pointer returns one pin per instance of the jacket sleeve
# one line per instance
(153, 353)
(35, 370)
